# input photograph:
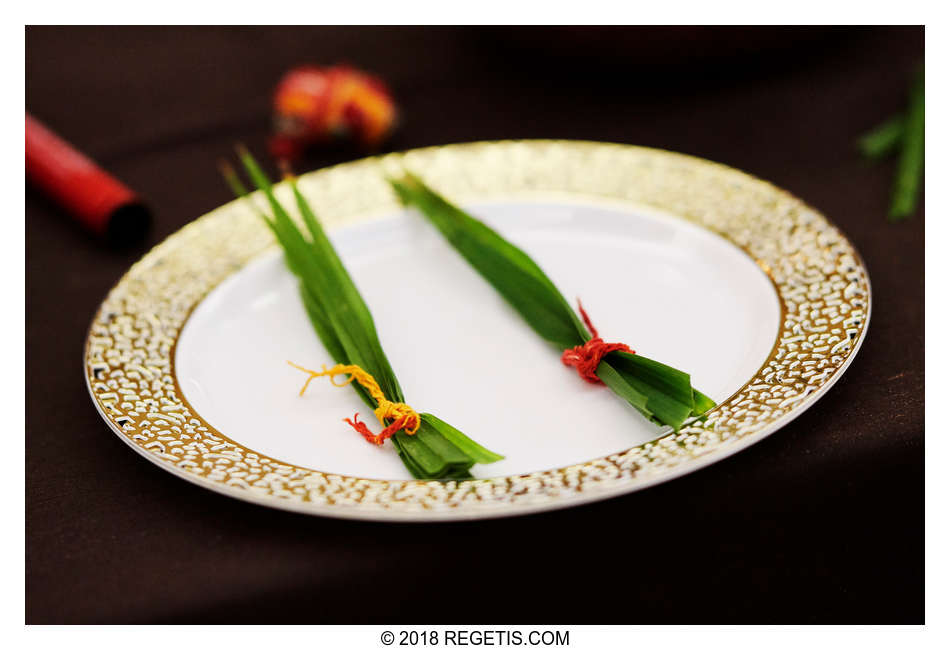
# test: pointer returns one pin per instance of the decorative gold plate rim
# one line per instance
(821, 282)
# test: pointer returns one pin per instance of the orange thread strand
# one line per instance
(585, 358)
(402, 416)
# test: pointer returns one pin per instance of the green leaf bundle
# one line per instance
(661, 393)
(344, 324)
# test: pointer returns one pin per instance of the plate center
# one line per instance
(671, 290)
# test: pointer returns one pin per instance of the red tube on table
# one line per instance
(96, 199)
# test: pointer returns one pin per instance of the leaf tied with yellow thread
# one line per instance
(343, 323)
(400, 415)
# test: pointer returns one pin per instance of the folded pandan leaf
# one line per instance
(344, 324)
(661, 393)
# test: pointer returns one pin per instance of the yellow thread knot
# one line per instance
(385, 409)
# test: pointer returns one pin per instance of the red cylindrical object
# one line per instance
(96, 199)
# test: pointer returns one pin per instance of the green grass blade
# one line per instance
(322, 326)
(910, 165)
(663, 408)
(426, 458)
(883, 139)
(330, 341)
(325, 251)
(702, 403)
(660, 392)
(670, 395)
(345, 326)
(674, 383)
(513, 274)
(471, 448)
(414, 470)
(439, 444)
(456, 222)
(345, 308)
(616, 382)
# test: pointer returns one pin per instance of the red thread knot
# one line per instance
(380, 438)
(585, 358)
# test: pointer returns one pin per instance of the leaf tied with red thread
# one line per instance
(585, 358)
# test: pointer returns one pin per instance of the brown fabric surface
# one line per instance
(822, 522)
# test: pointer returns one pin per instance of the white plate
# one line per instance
(701, 267)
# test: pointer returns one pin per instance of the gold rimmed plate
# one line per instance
(752, 292)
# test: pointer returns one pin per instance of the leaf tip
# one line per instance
(225, 167)
(286, 171)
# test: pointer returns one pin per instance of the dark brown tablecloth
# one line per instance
(822, 522)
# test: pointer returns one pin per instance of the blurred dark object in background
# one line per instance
(95, 199)
(317, 105)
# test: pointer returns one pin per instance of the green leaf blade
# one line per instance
(468, 446)
(507, 268)
(910, 164)
(883, 139)
(344, 325)
(660, 392)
